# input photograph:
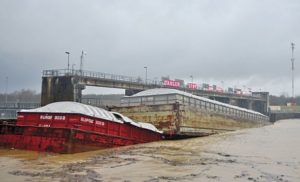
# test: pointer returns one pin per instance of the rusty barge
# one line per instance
(69, 127)
(181, 114)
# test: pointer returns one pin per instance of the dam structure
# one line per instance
(67, 85)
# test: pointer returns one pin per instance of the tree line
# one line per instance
(24, 95)
(283, 100)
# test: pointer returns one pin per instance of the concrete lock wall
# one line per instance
(56, 89)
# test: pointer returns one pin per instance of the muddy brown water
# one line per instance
(270, 153)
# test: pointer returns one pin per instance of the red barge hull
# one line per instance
(70, 133)
(59, 140)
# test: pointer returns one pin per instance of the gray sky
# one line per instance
(239, 42)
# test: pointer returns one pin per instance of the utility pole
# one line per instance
(6, 83)
(146, 74)
(293, 69)
(81, 60)
(80, 87)
(68, 60)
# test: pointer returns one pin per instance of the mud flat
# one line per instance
(270, 153)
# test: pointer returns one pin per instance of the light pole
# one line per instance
(293, 68)
(146, 68)
(6, 83)
(68, 59)
(192, 78)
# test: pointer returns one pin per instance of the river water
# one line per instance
(270, 153)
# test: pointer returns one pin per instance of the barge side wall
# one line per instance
(187, 120)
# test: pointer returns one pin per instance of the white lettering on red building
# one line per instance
(87, 120)
(171, 83)
(219, 89)
(192, 86)
(210, 88)
(45, 117)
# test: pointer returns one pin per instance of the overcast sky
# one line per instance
(237, 42)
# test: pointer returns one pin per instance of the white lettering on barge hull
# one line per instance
(100, 123)
(44, 125)
(87, 120)
(45, 117)
(59, 117)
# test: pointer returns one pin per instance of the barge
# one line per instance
(181, 114)
(70, 127)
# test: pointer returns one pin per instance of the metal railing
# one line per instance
(285, 109)
(9, 110)
(19, 105)
(122, 78)
(99, 75)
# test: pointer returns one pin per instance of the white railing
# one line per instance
(128, 79)
(99, 75)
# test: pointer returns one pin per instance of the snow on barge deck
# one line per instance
(181, 114)
(70, 127)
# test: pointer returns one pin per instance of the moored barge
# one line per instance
(181, 114)
(69, 127)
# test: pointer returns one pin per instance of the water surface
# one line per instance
(270, 153)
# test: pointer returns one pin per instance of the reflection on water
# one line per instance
(271, 153)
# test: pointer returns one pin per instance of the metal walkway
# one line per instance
(99, 75)
(134, 81)
(67, 85)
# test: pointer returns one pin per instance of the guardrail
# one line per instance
(9, 110)
(19, 105)
(285, 109)
(122, 78)
(99, 75)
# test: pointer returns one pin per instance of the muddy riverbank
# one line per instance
(271, 153)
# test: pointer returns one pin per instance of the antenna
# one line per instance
(293, 69)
